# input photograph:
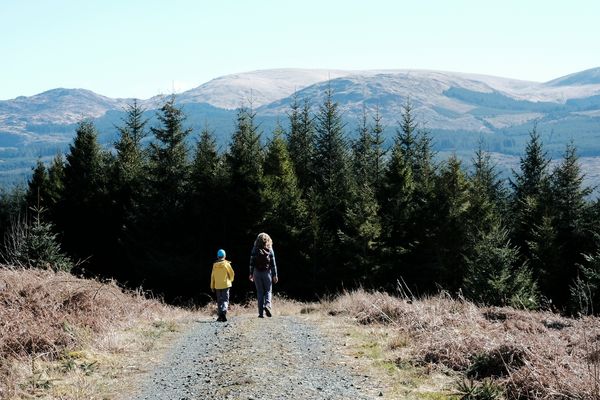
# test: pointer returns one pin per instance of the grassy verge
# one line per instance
(62, 337)
(439, 348)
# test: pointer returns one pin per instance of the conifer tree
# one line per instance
(363, 226)
(495, 276)
(332, 172)
(486, 194)
(244, 163)
(128, 189)
(157, 249)
(129, 165)
(407, 203)
(56, 178)
(451, 205)
(397, 206)
(569, 209)
(205, 202)
(34, 244)
(301, 143)
(130, 159)
(285, 216)
(84, 202)
(378, 139)
(530, 197)
(364, 154)
(283, 204)
(169, 164)
(38, 186)
(407, 135)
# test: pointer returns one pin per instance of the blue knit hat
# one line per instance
(221, 253)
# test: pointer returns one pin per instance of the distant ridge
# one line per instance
(458, 108)
(587, 77)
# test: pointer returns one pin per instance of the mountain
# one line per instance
(587, 77)
(43, 117)
(262, 87)
(458, 109)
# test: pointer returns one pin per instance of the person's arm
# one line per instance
(274, 267)
(212, 279)
(251, 277)
(231, 272)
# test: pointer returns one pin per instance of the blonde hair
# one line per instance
(262, 241)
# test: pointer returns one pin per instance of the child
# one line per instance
(220, 282)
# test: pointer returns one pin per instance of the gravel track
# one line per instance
(285, 357)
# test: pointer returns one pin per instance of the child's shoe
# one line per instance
(268, 311)
(224, 316)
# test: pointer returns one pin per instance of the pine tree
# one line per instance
(407, 204)
(363, 226)
(569, 209)
(169, 165)
(379, 154)
(407, 136)
(332, 171)
(301, 143)
(285, 214)
(38, 186)
(129, 165)
(245, 177)
(283, 203)
(130, 159)
(56, 178)
(530, 193)
(128, 190)
(364, 154)
(495, 276)
(205, 203)
(452, 206)
(397, 209)
(486, 194)
(84, 202)
(157, 248)
(206, 164)
(33, 244)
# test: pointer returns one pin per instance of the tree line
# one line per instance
(343, 213)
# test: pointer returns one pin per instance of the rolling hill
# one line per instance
(458, 109)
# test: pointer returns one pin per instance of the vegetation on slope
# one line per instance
(66, 337)
(489, 352)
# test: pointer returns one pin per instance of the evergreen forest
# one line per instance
(153, 210)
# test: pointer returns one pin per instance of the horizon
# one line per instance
(144, 48)
(398, 70)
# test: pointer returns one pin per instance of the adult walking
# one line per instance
(263, 272)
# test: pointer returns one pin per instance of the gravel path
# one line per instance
(284, 357)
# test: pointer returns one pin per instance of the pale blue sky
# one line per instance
(140, 48)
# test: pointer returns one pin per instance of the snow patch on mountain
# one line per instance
(259, 87)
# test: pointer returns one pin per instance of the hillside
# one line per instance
(66, 337)
(458, 108)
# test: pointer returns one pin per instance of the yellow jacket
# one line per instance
(222, 275)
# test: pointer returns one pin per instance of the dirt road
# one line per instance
(284, 357)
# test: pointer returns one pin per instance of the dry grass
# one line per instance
(530, 355)
(58, 333)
